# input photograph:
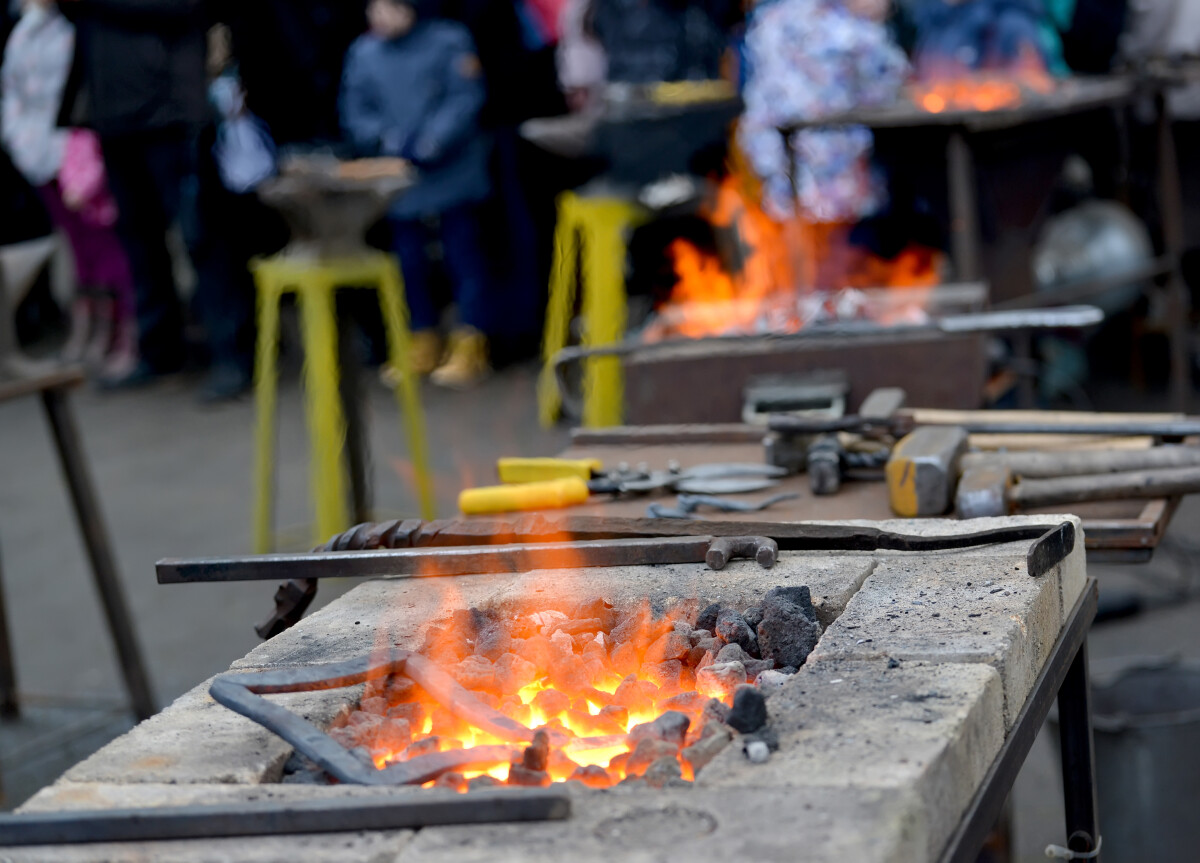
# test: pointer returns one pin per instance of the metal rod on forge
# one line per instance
(279, 817)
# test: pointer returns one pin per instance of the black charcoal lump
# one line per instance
(789, 630)
(733, 629)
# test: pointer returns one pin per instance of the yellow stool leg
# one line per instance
(604, 307)
(322, 401)
(395, 315)
(265, 382)
(561, 302)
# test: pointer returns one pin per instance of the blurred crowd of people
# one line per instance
(130, 118)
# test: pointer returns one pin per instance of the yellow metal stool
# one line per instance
(590, 241)
(315, 282)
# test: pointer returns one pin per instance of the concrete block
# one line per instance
(967, 607)
(925, 731)
(645, 826)
(197, 740)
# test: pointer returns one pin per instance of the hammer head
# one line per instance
(983, 491)
(922, 471)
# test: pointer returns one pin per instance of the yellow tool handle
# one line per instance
(552, 494)
(541, 469)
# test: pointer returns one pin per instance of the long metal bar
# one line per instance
(283, 817)
(985, 808)
(1133, 427)
(434, 562)
(95, 539)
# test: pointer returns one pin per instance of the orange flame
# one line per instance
(948, 86)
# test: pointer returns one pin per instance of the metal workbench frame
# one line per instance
(1065, 678)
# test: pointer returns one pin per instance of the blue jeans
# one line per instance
(465, 264)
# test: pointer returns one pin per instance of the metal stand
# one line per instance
(1065, 677)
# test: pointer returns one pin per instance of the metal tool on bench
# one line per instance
(1034, 464)
(554, 483)
(687, 504)
(995, 490)
(336, 558)
(904, 423)
(826, 457)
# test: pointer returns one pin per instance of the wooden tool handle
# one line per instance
(1114, 486)
(1036, 465)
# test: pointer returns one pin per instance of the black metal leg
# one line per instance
(10, 707)
(1178, 298)
(1078, 755)
(350, 381)
(95, 537)
(964, 209)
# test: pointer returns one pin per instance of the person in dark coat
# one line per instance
(413, 88)
(140, 82)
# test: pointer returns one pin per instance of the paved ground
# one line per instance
(175, 481)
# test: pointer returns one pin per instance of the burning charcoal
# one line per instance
(522, 626)
(682, 627)
(625, 657)
(563, 644)
(721, 678)
(536, 649)
(787, 634)
(519, 774)
(663, 771)
(615, 713)
(394, 734)
(635, 694)
(733, 652)
(413, 712)
(671, 727)
(362, 718)
(749, 711)
(757, 751)
(733, 629)
(664, 675)
(537, 753)
(445, 644)
(551, 702)
(753, 616)
(707, 618)
(493, 641)
(617, 763)
(445, 724)
(709, 658)
(513, 673)
(399, 690)
(699, 754)
(696, 636)
(646, 753)
(582, 640)
(424, 746)
(483, 782)
(571, 676)
(488, 698)
(672, 645)
(560, 764)
(520, 713)
(593, 776)
(770, 680)
(448, 743)
(475, 672)
(598, 609)
(548, 619)
(798, 595)
(590, 625)
(715, 710)
(377, 705)
(686, 702)
(453, 780)
(344, 736)
(596, 650)
(638, 627)
(755, 667)
(682, 610)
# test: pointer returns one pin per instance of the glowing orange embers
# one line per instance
(610, 694)
(947, 86)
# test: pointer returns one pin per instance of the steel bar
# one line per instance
(434, 562)
(95, 538)
(985, 808)
(279, 817)
(1133, 427)
(1051, 541)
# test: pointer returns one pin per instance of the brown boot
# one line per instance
(424, 355)
(466, 360)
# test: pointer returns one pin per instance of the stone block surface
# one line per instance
(197, 740)
(929, 730)
(976, 606)
(677, 824)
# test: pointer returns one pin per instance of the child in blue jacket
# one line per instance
(413, 88)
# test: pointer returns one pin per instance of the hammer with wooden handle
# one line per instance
(1032, 464)
(991, 490)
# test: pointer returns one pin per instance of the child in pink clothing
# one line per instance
(66, 168)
